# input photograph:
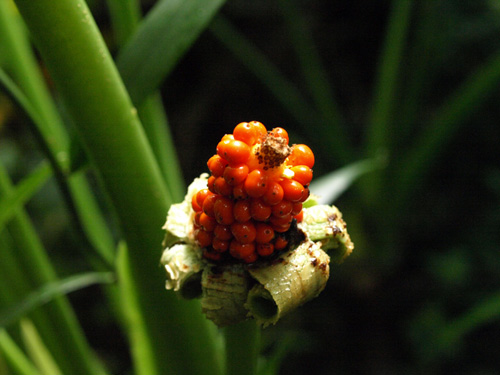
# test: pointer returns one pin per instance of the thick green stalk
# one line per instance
(15, 356)
(95, 97)
(242, 348)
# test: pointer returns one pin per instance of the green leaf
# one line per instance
(330, 186)
(37, 349)
(163, 37)
(52, 290)
(15, 356)
(23, 192)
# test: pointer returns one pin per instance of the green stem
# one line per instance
(15, 356)
(86, 78)
(242, 348)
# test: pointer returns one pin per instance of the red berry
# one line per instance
(234, 151)
(201, 195)
(243, 232)
(220, 245)
(281, 221)
(203, 237)
(207, 223)
(212, 255)
(264, 233)
(283, 208)
(281, 228)
(241, 211)
(249, 132)
(299, 217)
(239, 250)
(222, 187)
(305, 195)
(211, 184)
(197, 217)
(208, 204)
(223, 232)
(280, 133)
(236, 175)
(296, 208)
(251, 258)
(302, 174)
(292, 189)
(265, 249)
(194, 204)
(274, 194)
(223, 210)
(259, 210)
(256, 183)
(301, 155)
(216, 165)
(280, 243)
(239, 192)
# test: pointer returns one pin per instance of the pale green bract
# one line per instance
(264, 291)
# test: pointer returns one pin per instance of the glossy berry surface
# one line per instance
(253, 196)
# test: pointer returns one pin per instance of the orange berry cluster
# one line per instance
(255, 191)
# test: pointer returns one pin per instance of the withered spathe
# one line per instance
(265, 290)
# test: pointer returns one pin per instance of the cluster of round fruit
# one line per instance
(256, 189)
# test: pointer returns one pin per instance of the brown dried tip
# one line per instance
(273, 151)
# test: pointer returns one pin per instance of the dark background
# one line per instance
(418, 293)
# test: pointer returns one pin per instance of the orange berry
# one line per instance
(305, 195)
(201, 195)
(281, 221)
(236, 175)
(211, 184)
(239, 250)
(223, 210)
(281, 228)
(216, 165)
(223, 232)
(249, 132)
(274, 194)
(280, 243)
(296, 208)
(256, 183)
(259, 210)
(299, 217)
(302, 174)
(212, 255)
(208, 204)
(283, 208)
(241, 211)
(194, 204)
(281, 133)
(301, 155)
(292, 190)
(207, 223)
(239, 192)
(234, 151)
(222, 187)
(197, 217)
(265, 249)
(250, 258)
(243, 232)
(220, 245)
(203, 238)
(264, 233)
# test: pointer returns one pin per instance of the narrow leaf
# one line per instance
(37, 350)
(15, 356)
(52, 290)
(23, 192)
(332, 185)
(163, 37)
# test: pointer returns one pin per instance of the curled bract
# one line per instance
(265, 290)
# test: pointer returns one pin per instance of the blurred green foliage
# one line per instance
(413, 82)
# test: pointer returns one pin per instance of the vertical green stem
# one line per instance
(242, 348)
(86, 78)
